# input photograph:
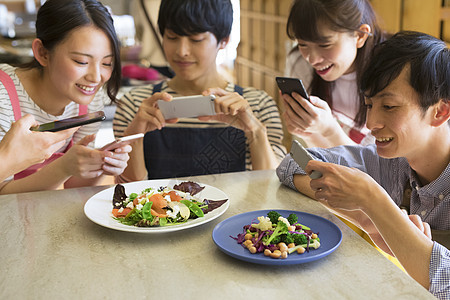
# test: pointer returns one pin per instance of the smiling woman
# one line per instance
(335, 39)
(75, 71)
(76, 68)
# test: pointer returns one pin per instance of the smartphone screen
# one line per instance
(71, 122)
(187, 107)
(289, 85)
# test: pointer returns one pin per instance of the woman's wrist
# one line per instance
(336, 136)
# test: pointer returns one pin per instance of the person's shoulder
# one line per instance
(5, 102)
(136, 95)
(8, 69)
(294, 55)
(11, 72)
(365, 151)
(298, 67)
(142, 91)
(148, 89)
(357, 152)
(369, 152)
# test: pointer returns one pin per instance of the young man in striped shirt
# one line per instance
(246, 132)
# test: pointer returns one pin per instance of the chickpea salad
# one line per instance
(162, 206)
(277, 236)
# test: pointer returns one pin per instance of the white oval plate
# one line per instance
(99, 207)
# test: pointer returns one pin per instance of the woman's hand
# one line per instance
(149, 117)
(116, 160)
(233, 109)
(30, 147)
(82, 161)
(305, 118)
(423, 226)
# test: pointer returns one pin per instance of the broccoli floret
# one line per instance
(279, 230)
(300, 239)
(293, 219)
(286, 238)
(276, 240)
(273, 216)
(314, 244)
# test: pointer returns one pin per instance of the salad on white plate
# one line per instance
(161, 206)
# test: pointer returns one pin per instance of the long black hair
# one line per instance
(341, 16)
(57, 18)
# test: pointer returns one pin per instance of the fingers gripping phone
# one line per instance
(187, 107)
(71, 122)
(120, 142)
(302, 157)
(289, 85)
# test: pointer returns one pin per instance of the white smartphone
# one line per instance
(187, 107)
(302, 157)
(120, 142)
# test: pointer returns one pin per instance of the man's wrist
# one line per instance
(260, 133)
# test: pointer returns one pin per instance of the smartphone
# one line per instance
(302, 157)
(71, 122)
(126, 140)
(187, 107)
(289, 85)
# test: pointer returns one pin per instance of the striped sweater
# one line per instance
(262, 105)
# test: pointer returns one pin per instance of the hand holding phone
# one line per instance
(187, 107)
(289, 85)
(302, 157)
(120, 142)
(71, 122)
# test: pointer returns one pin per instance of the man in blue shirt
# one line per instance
(406, 84)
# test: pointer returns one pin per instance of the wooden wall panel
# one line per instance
(446, 22)
(262, 49)
(418, 15)
(389, 13)
(422, 16)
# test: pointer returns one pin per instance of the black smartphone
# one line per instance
(71, 122)
(289, 85)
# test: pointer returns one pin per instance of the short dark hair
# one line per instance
(57, 18)
(427, 57)
(188, 17)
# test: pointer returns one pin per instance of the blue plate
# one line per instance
(330, 238)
